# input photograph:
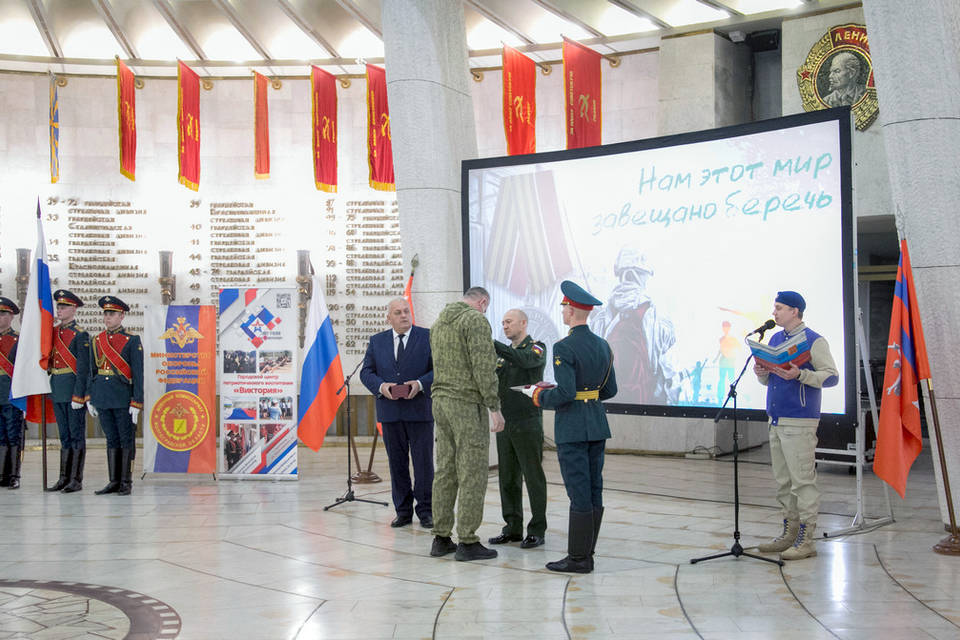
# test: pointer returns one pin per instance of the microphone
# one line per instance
(766, 326)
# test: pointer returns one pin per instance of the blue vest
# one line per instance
(791, 398)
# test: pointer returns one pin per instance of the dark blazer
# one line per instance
(380, 366)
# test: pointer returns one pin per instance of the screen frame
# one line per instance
(847, 360)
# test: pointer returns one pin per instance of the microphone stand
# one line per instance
(348, 496)
(737, 549)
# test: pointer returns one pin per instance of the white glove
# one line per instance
(92, 410)
(134, 414)
(528, 390)
(76, 405)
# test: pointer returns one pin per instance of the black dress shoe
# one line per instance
(401, 521)
(442, 545)
(474, 551)
(531, 541)
(504, 538)
(572, 565)
(426, 523)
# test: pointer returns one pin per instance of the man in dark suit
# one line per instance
(398, 371)
(583, 369)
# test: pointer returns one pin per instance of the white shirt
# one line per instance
(396, 341)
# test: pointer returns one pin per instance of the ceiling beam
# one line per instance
(167, 12)
(234, 18)
(722, 6)
(304, 26)
(103, 8)
(626, 5)
(360, 17)
(497, 20)
(43, 26)
(569, 17)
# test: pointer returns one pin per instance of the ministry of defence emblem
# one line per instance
(181, 333)
(838, 72)
(179, 420)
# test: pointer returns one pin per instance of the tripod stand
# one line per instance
(737, 549)
(348, 496)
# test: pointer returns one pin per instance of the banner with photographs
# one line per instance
(258, 383)
(179, 366)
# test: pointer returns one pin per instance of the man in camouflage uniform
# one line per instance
(464, 391)
(520, 444)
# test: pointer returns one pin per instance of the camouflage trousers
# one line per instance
(463, 446)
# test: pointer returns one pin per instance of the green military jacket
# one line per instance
(519, 365)
(582, 365)
(464, 361)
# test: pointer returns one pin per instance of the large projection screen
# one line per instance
(686, 239)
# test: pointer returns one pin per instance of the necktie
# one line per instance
(400, 347)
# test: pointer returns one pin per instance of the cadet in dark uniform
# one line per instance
(520, 444)
(116, 392)
(583, 368)
(11, 418)
(69, 377)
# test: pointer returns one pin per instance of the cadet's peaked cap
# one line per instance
(113, 303)
(8, 305)
(62, 296)
(577, 297)
(791, 299)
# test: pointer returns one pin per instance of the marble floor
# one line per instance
(243, 559)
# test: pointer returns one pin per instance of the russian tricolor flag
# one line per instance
(321, 375)
(36, 337)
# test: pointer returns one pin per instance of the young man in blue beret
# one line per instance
(793, 407)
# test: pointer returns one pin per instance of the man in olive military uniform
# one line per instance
(11, 418)
(116, 392)
(69, 377)
(520, 444)
(464, 391)
(583, 368)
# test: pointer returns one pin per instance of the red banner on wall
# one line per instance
(519, 102)
(581, 90)
(261, 128)
(323, 88)
(127, 118)
(379, 145)
(188, 126)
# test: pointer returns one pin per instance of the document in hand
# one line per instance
(795, 350)
(542, 384)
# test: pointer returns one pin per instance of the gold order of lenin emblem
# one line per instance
(838, 72)
(179, 420)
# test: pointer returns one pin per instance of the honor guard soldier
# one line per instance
(11, 418)
(116, 392)
(69, 377)
(583, 369)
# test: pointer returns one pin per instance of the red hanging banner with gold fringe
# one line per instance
(581, 91)
(379, 145)
(519, 102)
(323, 88)
(261, 128)
(188, 126)
(127, 118)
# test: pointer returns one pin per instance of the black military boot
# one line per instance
(113, 469)
(597, 520)
(126, 472)
(76, 471)
(14, 467)
(4, 466)
(66, 456)
(579, 543)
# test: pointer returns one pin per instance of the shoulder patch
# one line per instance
(537, 349)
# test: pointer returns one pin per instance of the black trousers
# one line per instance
(406, 442)
(581, 465)
(72, 425)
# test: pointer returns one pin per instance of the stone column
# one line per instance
(916, 58)
(432, 123)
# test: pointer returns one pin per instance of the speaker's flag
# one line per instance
(54, 131)
(188, 126)
(323, 89)
(519, 102)
(127, 119)
(379, 144)
(581, 91)
(898, 437)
